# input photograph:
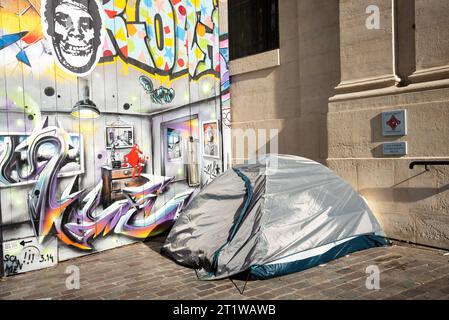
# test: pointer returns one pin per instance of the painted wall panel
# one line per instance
(155, 56)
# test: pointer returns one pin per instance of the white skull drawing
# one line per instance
(74, 27)
(75, 30)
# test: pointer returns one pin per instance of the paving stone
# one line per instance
(316, 296)
(166, 292)
(406, 273)
(332, 292)
(258, 291)
(266, 296)
(205, 293)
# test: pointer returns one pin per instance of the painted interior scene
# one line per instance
(101, 111)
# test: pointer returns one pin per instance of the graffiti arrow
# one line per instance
(23, 242)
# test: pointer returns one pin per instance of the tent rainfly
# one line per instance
(282, 215)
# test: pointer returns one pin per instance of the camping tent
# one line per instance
(281, 215)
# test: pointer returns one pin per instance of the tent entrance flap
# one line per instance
(241, 216)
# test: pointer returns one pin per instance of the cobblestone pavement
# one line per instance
(138, 271)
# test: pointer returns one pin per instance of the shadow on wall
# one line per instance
(293, 97)
(311, 58)
(376, 130)
(403, 194)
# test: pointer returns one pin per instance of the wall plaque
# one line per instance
(395, 148)
(394, 123)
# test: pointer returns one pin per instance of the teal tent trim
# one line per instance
(249, 198)
(235, 227)
(263, 272)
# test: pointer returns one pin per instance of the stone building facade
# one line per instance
(340, 66)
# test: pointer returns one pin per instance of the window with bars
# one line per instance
(253, 27)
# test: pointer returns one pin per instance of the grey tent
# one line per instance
(281, 215)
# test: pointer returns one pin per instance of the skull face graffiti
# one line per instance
(75, 30)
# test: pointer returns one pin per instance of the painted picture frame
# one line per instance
(174, 145)
(122, 136)
(210, 139)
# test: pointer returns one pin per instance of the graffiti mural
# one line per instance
(75, 32)
(72, 215)
(164, 37)
(161, 95)
(210, 172)
(225, 81)
(161, 37)
(153, 69)
(17, 168)
(135, 160)
(132, 217)
(28, 254)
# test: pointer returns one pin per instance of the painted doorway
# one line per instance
(176, 135)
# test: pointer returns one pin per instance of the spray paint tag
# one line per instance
(28, 254)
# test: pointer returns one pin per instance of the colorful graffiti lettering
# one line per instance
(73, 216)
(16, 169)
(131, 217)
(161, 37)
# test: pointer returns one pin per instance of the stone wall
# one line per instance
(327, 86)
(402, 65)
(288, 89)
